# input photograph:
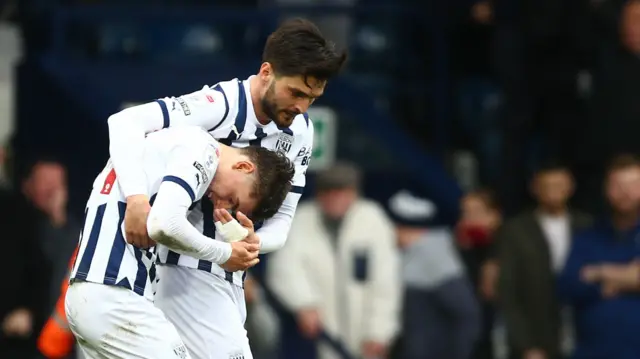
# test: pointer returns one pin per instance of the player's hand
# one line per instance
(309, 323)
(243, 256)
(252, 237)
(135, 221)
(18, 323)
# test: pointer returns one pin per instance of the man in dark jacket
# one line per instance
(601, 279)
(533, 249)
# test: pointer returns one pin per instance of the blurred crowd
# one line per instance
(543, 262)
(368, 279)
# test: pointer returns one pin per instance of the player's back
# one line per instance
(104, 255)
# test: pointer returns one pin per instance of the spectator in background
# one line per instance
(45, 187)
(441, 317)
(24, 283)
(339, 270)
(533, 248)
(615, 108)
(601, 279)
(480, 218)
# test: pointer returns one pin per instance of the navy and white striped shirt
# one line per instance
(227, 112)
(186, 156)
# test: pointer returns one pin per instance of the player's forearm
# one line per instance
(168, 225)
(181, 237)
(127, 130)
(273, 234)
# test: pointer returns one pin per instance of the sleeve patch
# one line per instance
(184, 105)
(202, 171)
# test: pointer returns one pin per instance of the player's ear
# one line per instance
(266, 72)
(246, 167)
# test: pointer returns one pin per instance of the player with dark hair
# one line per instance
(205, 302)
(112, 283)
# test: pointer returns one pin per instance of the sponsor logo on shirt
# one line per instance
(203, 172)
(185, 107)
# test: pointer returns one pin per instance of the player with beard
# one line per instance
(203, 301)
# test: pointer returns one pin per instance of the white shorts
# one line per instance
(115, 323)
(208, 312)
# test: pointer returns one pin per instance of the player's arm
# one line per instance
(207, 108)
(273, 234)
(189, 173)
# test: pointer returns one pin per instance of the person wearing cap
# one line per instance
(339, 272)
(441, 315)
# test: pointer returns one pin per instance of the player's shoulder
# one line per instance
(192, 136)
(222, 94)
(302, 127)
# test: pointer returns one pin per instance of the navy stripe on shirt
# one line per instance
(226, 104)
(165, 113)
(182, 183)
(241, 117)
(117, 250)
(92, 243)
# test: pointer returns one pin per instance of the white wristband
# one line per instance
(232, 231)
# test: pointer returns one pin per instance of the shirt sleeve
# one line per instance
(192, 167)
(189, 173)
(273, 234)
(207, 108)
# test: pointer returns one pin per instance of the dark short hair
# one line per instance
(622, 162)
(297, 48)
(273, 180)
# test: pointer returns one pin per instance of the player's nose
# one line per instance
(302, 105)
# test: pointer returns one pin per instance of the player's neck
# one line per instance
(228, 155)
(254, 90)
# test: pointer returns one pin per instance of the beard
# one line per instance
(268, 103)
(270, 108)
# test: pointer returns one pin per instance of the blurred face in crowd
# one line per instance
(476, 212)
(47, 185)
(335, 203)
(478, 220)
(630, 26)
(623, 190)
(552, 189)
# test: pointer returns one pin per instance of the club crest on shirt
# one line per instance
(180, 351)
(285, 141)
